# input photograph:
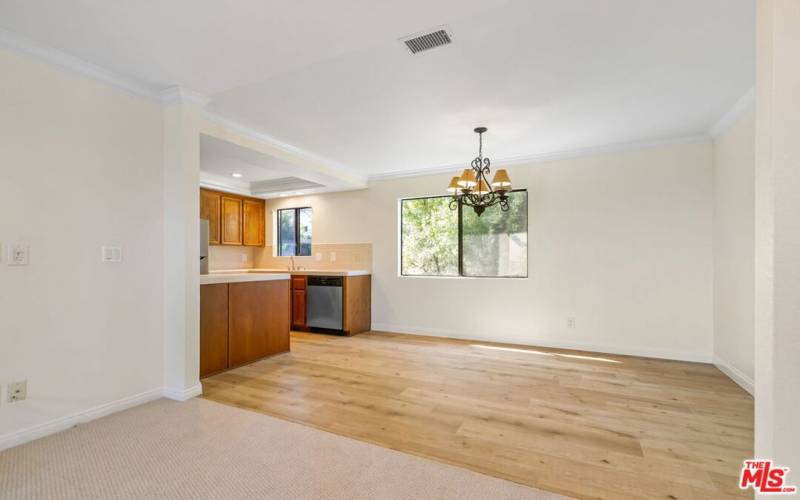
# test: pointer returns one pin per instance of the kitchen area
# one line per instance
(262, 276)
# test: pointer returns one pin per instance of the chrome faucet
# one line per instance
(293, 265)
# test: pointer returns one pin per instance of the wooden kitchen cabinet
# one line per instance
(298, 308)
(210, 209)
(241, 323)
(356, 304)
(213, 328)
(232, 219)
(258, 320)
(299, 302)
(253, 222)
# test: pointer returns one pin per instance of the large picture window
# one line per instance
(437, 241)
(294, 231)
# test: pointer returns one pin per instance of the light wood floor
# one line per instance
(582, 424)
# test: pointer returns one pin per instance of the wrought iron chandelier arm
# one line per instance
(486, 195)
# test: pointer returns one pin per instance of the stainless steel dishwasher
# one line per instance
(324, 302)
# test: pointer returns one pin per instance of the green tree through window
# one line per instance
(492, 245)
(430, 237)
(294, 231)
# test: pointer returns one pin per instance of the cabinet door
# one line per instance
(258, 323)
(253, 217)
(357, 304)
(299, 308)
(213, 328)
(210, 203)
(231, 221)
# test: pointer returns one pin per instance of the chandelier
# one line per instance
(473, 189)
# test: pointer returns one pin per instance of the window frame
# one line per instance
(296, 211)
(460, 250)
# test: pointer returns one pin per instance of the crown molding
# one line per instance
(181, 95)
(543, 157)
(740, 107)
(21, 45)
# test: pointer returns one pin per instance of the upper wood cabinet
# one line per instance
(210, 209)
(233, 219)
(253, 222)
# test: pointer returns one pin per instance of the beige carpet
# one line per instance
(203, 450)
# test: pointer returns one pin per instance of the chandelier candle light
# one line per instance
(472, 188)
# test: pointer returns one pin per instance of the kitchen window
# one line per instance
(438, 241)
(294, 231)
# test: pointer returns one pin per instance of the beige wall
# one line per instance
(734, 249)
(80, 167)
(621, 242)
(777, 193)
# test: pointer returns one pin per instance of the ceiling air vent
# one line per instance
(426, 41)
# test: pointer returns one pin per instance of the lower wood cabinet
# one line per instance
(356, 304)
(298, 308)
(213, 328)
(241, 323)
(258, 320)
(298, 302)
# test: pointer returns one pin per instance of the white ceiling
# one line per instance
(332, 79)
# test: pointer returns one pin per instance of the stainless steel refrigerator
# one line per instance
(203, 246)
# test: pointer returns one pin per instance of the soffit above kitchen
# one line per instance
(230, 167)
(335, 79)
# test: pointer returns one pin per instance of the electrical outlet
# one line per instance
(570, 322)
(333, 256)
(18, 254)
(17, 391)
(244, 257)
(318, 256)
(110, 254)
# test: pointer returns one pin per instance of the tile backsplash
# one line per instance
(221, 257)
(351, 256)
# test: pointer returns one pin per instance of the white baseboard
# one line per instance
(59, 424)
(183, 394)
(745, 382)
(578, 346)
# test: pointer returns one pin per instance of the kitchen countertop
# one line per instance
(240, 276)
(299, 272)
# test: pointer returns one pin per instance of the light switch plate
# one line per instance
(333, 256)
(111, 254)
(18, 254)
(318, 256)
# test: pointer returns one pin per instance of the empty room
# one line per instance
(429, 249)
